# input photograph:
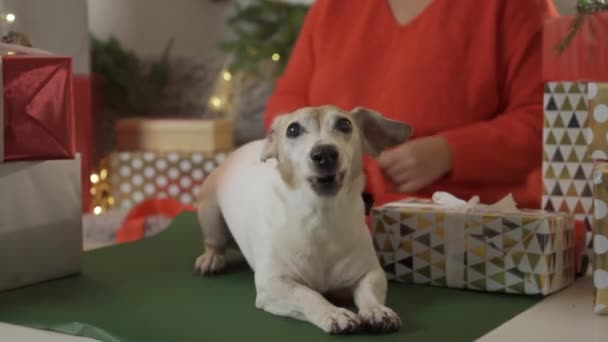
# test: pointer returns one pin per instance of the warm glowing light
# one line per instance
(10, 17)
(276, 57)
(94, 178)
(103, 174)
(97, 210)
(216, 102)
(10, 53)
(93, 191)
(111, 201)
(227, 76)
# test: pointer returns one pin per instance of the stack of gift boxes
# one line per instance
(40, 184)
(525, 251)
(575, 139)
(164, 158)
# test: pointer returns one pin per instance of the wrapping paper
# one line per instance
(137, 176)
(36, 114)
(88, 121)
(600, 239)
(40, 221)
(133, 226)
(494, 248)
(598, 121)
(168, 135)
(128, 288)
(567, 165)
(586, 57)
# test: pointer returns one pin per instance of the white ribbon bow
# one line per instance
(506, 205)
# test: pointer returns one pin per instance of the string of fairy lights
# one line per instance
(102, 199)
(7, 21)
(219, 102)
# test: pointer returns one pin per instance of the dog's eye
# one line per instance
(294, 130)
(344, 125)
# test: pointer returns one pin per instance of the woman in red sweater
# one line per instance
(465, 74)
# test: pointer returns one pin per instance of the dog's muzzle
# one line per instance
(325, 161)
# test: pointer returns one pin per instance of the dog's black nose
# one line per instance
(325, 157)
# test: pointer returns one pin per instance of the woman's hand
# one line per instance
(417, 163)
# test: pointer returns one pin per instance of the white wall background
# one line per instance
(60, 26)
(566, 7)
(63, 26)
(197, 25)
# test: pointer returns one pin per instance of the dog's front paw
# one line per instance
(380, 319)
(209, 262)
(341, 321)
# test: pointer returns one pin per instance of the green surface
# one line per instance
(146, 291)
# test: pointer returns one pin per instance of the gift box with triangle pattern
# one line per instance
(567, 165)
(575, 130)
(574, 75)
(528, 252)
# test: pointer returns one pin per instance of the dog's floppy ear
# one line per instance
(379, 133)
(271, 147)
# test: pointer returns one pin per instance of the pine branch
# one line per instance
(583, 8)
(260, 30)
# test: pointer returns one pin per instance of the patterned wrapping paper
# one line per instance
(567, 166)
(598, 121)
(600, 239)
(525, 253)
(137, 176)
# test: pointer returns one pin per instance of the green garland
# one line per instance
(584, 8)
(130, 87)
(262, 30)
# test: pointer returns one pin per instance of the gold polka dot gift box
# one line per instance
(458, 244)
(165, 158)
(598, 121)
(137, 176)
(600, 239)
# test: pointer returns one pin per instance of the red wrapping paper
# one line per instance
(133, 226)
(38, 113)
(585, 58)
(87, 120)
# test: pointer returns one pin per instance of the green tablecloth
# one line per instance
(146, 292)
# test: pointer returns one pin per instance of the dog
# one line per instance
(292, 205)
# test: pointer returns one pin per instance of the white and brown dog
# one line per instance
(292, 204)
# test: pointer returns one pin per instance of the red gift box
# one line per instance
(38, 113)
(87, 107)
(585, 57)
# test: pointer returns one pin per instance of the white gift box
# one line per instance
(40, 221)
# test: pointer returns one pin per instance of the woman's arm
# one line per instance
(508, 147)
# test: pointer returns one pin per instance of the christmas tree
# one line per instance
(264, 30)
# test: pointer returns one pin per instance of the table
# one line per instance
(145, 291)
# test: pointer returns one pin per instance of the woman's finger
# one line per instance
(411, 186)
(387, 159)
